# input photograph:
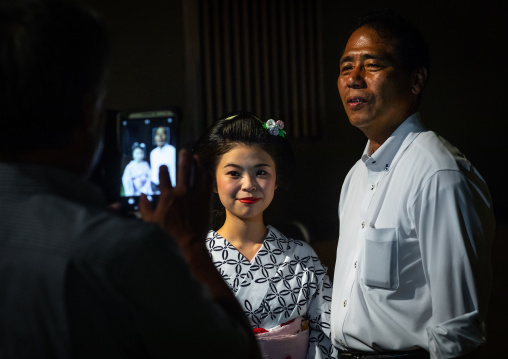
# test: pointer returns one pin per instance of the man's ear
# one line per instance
(91, 112)
(419, 80)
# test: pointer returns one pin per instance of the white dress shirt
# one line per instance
(413, 259)
(165, 155)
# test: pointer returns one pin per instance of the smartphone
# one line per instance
(147, 140)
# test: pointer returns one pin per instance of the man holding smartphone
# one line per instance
(76, 280)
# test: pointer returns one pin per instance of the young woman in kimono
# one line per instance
(136, 176)
(276, 279)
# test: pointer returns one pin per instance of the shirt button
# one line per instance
(363, 224)
(372, 186)
(345, 302)
(355, 264)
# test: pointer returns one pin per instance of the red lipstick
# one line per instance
(249, 200)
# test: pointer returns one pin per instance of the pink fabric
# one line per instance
(288, 341)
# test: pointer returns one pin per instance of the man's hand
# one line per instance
(183, 211)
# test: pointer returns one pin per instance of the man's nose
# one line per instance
(355, 78)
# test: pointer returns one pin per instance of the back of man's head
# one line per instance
(52, 54)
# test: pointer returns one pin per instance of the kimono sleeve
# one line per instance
(320, 345)
(128, 186)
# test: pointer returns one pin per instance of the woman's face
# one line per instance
(246, 182)
(138, 155)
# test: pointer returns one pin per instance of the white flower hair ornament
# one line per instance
(140, 145)
(275, 128)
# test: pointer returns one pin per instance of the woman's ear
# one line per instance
(215, 187)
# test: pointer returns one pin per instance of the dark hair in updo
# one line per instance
(244, 128)
(138, 145)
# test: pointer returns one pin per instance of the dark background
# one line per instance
(464, 102)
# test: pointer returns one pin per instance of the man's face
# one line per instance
(377, 93)
(160, 137)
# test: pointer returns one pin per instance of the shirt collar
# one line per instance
(399, 140)
(157, 148)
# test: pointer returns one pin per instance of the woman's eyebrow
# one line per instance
(240, 167)
(232, 165)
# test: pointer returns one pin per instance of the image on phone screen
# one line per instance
(148, 140)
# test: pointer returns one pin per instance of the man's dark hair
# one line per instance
(411, 47)
(52, 53)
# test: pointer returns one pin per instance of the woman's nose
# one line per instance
(249, 184)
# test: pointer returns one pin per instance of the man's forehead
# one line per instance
(367, 43)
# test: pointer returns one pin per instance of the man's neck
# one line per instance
(378, 136)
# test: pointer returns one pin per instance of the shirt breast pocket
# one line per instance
(380, 264)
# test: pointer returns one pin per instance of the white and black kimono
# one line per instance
(284, 280)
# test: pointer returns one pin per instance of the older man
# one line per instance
(412, 276)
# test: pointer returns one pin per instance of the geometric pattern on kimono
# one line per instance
(284, 280)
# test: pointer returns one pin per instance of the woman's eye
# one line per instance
(233, 174)
(262, 173)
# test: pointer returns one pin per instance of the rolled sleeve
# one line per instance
(455, 227)
(456, 336)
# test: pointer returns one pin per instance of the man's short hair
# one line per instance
(411, 47)
(52, 53)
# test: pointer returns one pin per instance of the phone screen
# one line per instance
(148, 140)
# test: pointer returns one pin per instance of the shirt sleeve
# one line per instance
(128, 188)
(454, 223)
(154, 166)
(172, 165)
